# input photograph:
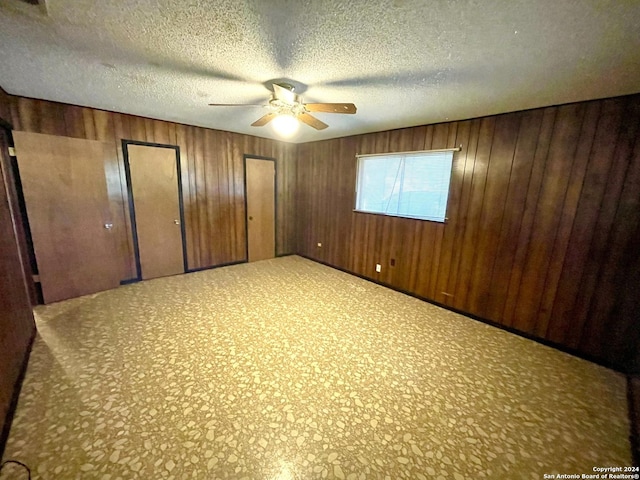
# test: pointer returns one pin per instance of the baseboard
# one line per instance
(129, 281)
(492, 323)
(8, 420)
(210, 267)
(238, 262)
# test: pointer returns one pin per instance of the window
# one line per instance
(409, 184)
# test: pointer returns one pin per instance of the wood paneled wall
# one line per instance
(5, 106)
(543, 222)
(16, 320)
(212, 175)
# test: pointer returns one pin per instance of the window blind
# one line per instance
(410, 184)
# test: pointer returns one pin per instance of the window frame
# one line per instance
(393, 154)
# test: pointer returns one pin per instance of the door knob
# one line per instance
(177, 222)
(250, 218)
(108, 226)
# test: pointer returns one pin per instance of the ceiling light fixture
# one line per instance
(285, 125)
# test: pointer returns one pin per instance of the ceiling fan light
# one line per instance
(285, 125)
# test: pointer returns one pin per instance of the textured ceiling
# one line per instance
(401, 62)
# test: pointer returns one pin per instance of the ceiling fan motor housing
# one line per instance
(285, 101)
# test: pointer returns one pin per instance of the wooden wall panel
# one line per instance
(560, 157)
(520, 172)
(27, 256)
(463, 173)
(212, 175)
(16, 320)
(6, 102)
(472, 233)
(542, 230)
(492, 211)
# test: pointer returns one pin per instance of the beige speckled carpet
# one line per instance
(287, 369)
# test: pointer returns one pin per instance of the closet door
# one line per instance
(260, 177)
(65, 191)
(154, 176)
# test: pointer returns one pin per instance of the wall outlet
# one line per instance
(319, 244)
(378, 267)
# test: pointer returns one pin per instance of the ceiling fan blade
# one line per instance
(236, 105)
(311, 121)
(262, 121)
(331, 107)
(283, 94)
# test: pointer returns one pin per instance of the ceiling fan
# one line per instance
(284, 102)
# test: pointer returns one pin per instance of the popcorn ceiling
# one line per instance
(402, 63)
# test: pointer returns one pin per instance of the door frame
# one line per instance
(132, 212)
(275, 202)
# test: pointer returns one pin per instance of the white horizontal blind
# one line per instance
(414, 185)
